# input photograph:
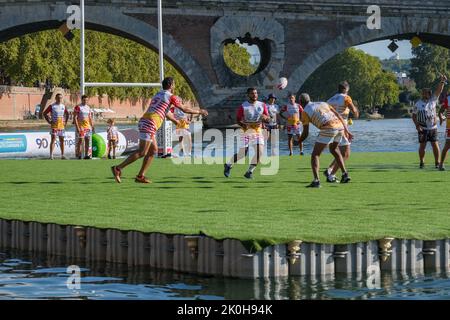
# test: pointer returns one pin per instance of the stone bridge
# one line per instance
(294, 37)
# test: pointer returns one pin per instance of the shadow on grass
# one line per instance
(209, 211)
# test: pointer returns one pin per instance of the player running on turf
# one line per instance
(250, 116)
(343, 104)
(292, 113)
(425, 119)
(445, 107)
(84, 126)
(332, 129)
(59, 117)
(150, 122)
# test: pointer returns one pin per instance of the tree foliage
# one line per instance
(237, 59)
(429, 60)
(48, 55)
(370, 85)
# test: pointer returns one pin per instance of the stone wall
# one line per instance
(17, 102)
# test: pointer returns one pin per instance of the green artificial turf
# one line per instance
(388, 196)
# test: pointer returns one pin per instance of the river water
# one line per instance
(23, 276)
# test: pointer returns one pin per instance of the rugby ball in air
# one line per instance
(282, 83)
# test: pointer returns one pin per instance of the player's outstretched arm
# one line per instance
(441, 86)
(171, 117)
(190, 110)
(305, 133)
(354, 110)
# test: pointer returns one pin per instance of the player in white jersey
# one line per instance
(250, 116)
(182, 130)
(274, 110)
(343, 104)
(425, 120)
(84, 126)
(58, 121)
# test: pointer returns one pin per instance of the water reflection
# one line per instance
(25, 276)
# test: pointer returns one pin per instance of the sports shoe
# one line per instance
(442, 168)
(332, 179)
(421, 165)
(345, 178)
(302, 153)
(142, 179)
(51, 158)
(116, 173)
(87, 158)
(248, 175)
(326, 173)
(437, 166)
(63, 158)
(226, 170)
(109, 156)
(314, 184)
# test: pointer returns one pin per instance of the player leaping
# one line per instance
(149, 124)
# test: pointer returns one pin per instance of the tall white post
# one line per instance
(160, 42)
(82, 48)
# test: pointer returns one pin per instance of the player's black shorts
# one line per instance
(428, 136)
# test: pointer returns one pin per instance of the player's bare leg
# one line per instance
(148, 159)
(444, 155)
(52, 145)
(290, 144)
(238, 156)
(436, 153)
(345, 151)
(335, 151)
(61, 146)
(141, 152)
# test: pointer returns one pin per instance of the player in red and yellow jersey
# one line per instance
(332, 128)
(445, 109)
(150, 122)
(59, 117)
(343, 104)
(84, 126)
(292, 113)
(250, 116)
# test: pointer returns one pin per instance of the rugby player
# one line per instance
(425, 120)
(58, 121)
(149, 124)
(250, 116)
(332, 128)
(343, 104)
(292, 113)
(84, 126)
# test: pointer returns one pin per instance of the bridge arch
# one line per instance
(22, 19)
(435, 31)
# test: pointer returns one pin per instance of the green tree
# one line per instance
(370, 86)
(429, 60)
(237, 59)
(48, 55)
